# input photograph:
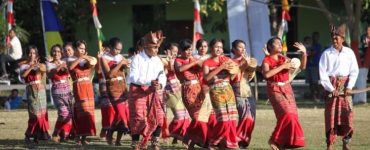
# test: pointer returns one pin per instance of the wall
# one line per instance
(310, 20)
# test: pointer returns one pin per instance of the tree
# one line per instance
(73, 13)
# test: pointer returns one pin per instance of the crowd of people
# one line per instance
(208, 93)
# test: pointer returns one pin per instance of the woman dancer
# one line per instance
(181, 119)
(288, 132)
(245, 102)
(84, 105)
(113, 65)
(61, 93)
(188, 71)
(33, 72)
(222, 97)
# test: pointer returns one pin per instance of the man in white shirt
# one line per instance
(14, 52)
(338, 73)
(147, 79)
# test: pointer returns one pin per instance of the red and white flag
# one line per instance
(9, 17)
(198, 30)
(9, 14)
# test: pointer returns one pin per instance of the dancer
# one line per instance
(222, 97)
(84, 106)
(288, 132)
(113, 64)
(338, 74)
(33, 72)
(147, 80)
(188, 71)
(245, 102)
(106, 108)
(61, 92)
(181, 119)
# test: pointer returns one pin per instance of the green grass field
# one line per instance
(311, 115)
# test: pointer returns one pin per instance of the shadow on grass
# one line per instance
(264, 104)
(94, 144)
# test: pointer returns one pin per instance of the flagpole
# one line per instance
(4, 7)
(43, 29)
(45, 45)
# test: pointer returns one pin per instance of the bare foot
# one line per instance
(56, 139)
(330, 147)
(78, 143)
(272, 145)
(345, 147)
(212, 147)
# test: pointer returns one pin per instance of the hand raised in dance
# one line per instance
(300, 47)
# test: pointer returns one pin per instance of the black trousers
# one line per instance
(4, 59)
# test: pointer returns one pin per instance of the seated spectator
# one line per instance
(14, 53)
(13, 101)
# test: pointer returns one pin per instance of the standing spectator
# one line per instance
(365, 39)
(13, 101)
(314, 54)
(14, 53)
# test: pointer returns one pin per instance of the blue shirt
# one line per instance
(313, 61)
(15, 102)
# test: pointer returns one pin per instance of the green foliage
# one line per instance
(71, 14)
(22, 34)
(28, 16)
(3, 29)
(207, 6)
(366, 12)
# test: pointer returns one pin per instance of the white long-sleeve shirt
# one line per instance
(144, 69)
(16, 50)
(335, 63)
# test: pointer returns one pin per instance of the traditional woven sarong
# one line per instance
(62, 97)
(246, 106)
(106, 108)
(117, 92)
(338, 112)
(107, 111)
(38, 124)
(224, 105)
(181, 119)
(193, 98)
(288, 131)
(118, 96)
(84, 106)
(146, 111)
